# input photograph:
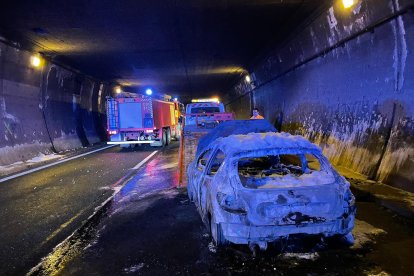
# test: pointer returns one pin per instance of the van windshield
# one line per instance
(205, 109)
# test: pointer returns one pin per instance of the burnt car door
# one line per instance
(198, 173)
(215, 163)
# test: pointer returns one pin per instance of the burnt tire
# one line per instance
(217, 233)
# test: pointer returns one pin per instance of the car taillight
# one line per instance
(230, 203)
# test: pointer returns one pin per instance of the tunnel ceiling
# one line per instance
(193, 47)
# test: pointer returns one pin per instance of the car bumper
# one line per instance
(243, 234)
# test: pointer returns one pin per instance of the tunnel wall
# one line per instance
(346, 82)
(46, 110)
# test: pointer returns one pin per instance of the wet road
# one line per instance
(151, 228)
(41, 209)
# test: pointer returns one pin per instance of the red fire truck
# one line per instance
(138, 119)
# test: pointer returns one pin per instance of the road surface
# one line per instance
(151, 228)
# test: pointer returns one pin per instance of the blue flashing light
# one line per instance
(148, 92)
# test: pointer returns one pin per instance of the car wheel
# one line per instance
(164, 138)
(217, 233)
(168, 136)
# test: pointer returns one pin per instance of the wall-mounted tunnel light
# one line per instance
(148, 92)
(348, 3)
(248, 79)
(35, 61)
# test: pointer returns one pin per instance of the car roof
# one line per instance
(260, 141)
(234, 127)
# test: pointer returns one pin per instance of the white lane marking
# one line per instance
(145, 160)
(52, 164)
(125, 179)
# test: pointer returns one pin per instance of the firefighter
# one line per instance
(256, 114)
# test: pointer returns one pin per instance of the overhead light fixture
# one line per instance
(348, 3)
(248, 79)
(211, 100)
(118, 90)
(35, 61)
(148, 92)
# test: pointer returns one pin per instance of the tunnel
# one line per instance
(340, 73)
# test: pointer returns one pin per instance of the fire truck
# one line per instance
(138, 119)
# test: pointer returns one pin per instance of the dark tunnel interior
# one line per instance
(195, 48)
(341, 76)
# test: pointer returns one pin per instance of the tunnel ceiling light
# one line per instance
(118, 90)
(248, 79)
(35, 61)
(148, 92)
(348, 3)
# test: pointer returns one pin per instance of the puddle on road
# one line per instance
(70, 248)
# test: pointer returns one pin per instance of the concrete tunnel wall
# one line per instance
(346, 82)
(46, 110)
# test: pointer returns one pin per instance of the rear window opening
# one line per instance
(284, 170)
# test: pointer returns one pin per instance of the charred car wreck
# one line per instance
(258, 187)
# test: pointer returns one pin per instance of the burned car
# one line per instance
(259, 187)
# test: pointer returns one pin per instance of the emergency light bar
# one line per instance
(212, 100)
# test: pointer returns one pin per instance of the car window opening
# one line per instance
(216, 163)
(202, 161)
(281, 171)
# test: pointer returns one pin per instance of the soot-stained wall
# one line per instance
(46, 110)
(346, 82)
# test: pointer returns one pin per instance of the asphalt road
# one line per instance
(41, 209)
(151, 228)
